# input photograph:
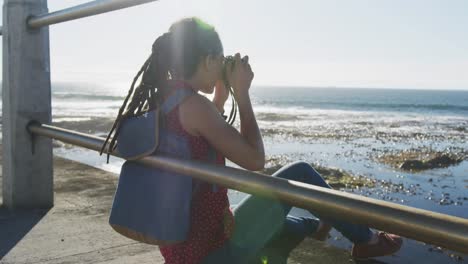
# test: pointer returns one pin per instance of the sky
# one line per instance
(420, 44)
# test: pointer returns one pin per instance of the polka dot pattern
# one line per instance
(211, 220)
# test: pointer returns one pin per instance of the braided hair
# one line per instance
(175, 55)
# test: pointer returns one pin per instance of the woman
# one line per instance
(190, 56)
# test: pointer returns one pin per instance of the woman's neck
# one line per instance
(196, 83)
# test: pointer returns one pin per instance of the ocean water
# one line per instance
(287, 116)
(437, 102)
(395, 100)
(308, 110)
(344, 128)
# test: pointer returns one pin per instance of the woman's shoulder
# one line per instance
(197, 108)
(194, 111)
(197, 102)
(186, 101)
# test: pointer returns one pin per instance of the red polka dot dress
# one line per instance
(211, 219)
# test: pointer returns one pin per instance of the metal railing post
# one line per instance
(27, 177)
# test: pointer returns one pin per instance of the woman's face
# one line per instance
(213, 71)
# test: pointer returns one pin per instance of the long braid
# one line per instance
(153, 77)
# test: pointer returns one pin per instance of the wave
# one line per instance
(303, 105)
(362, 106)
(86, 96)
(446, 107)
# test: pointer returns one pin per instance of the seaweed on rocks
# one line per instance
(336, 178)
(423, 158)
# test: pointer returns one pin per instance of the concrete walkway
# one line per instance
(75, 230)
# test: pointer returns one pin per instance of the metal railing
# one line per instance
(439, 229)
(83, 10)
(80, 11)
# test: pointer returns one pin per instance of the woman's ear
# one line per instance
(209, 62)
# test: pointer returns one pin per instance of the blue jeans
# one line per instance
(263, 225)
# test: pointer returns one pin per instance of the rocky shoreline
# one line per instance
(336, 178)
(420, 159)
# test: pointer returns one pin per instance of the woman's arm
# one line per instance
(249, 127)
(200, 116)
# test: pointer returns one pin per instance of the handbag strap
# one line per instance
(175, 99)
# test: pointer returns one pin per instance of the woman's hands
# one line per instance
(201, 118)
(240, 75)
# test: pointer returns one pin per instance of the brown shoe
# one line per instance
(387, 245)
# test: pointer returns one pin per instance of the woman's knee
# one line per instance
(294, 170)
(301, 171)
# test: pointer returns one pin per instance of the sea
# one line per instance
(342, 128)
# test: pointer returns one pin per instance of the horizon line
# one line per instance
(317, 86)
(363, 87)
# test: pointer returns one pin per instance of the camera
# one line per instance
(227, 61)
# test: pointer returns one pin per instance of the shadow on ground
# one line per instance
(14, 225)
